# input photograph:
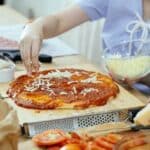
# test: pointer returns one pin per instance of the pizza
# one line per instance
(62, 88)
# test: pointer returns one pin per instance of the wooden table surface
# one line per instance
(11, 17)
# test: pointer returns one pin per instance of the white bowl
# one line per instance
(7, 74)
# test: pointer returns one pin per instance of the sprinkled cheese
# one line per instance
(14, 95)
(88, 90)
(57, 74)
(51, 92)
(74, 90)
(43, 81)
(70, 82)
(30, 89)
(37, 83)
(63, 93)
(77, 73)
(90, 80)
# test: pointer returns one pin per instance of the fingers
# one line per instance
(36, 45)
(25, 49)
(30, 46)
(29, 49)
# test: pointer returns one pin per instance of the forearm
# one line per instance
(63, 21)
(51, 25)
(46, 27)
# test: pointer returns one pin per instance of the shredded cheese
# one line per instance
(31, 89)
(77, 73)
(43, 81)
(63, 93)
(74, 90)
(57, 74)
(92, 79)
(37, 83)
(88, 90)
(129, 68)
(70, 82)
(14, 94)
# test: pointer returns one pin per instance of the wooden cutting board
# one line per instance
(124, 100)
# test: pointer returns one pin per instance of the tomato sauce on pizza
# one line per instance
(58, 88)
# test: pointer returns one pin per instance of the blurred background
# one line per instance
(78, 38)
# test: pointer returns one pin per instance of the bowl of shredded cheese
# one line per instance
(128, 60)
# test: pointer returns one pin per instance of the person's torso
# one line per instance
(119, 14)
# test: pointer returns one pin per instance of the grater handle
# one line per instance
(132, 113)
(139, 127)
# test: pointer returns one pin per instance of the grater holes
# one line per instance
(92, 120)
(64, 124)
(70, 124)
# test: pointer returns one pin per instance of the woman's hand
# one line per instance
(30, 44)
(47, 27)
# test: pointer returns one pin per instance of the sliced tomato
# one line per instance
(110, 140)
(54, 148)
(115, 137)
(50, 137)
(75, 135)
(74, 138)
(71, 147)
(133, 143)
(93, 146)
(75, 141)
(104, 144)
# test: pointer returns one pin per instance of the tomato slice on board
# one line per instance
(109, 140)
(93, 146)
(75, 135)
(133, 143)
(104, 144)
(50, 137)
(115, 137)
(71, 147)
(53, 148)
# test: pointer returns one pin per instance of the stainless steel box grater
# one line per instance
(73, 123)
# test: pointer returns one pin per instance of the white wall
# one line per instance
(38, 7)
(89, 46)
